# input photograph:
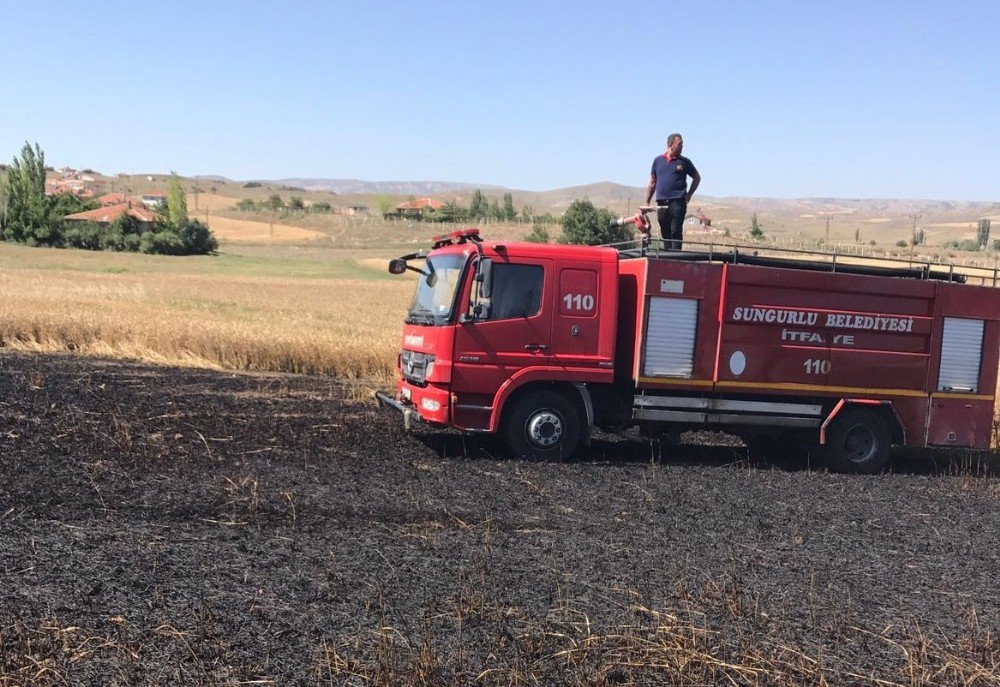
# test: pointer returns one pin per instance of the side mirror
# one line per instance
(485, 278)
(397, 266)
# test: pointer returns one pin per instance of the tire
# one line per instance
(542, 425)
(858, 441)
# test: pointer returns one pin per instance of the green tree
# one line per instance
(508, 211)
(296, 203)
(527, 213)
(583, 223)
(274, 202)
(177, 209)
(756, 232)
(321, 206)
(24, 212)
(246, 205)
(983, 234)
(384, 204)
(479, 206)
(452, 212)
(67, 204)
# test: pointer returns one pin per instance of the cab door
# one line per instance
(512, 334)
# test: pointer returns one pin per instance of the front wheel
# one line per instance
(858, 441)
(542, 425)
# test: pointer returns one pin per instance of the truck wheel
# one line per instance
(542, 425)
(858, 441)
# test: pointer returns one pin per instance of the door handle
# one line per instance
(535, 347)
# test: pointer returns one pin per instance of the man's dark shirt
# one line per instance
(671, 176)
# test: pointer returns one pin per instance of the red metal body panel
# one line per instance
(828, 335)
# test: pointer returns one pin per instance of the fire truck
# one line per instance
(542, 343)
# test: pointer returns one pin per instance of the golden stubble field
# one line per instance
(241, 312)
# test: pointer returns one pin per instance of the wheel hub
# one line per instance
(545, 429)
(859, 444)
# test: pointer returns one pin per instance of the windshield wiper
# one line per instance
(420, 317)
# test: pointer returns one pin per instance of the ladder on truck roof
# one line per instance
(814, 260)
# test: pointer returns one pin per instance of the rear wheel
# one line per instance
(858, 441)
(542, 425)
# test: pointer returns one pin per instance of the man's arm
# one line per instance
(695, 180)
(650, 188)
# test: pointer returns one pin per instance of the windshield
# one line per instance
(434, 301)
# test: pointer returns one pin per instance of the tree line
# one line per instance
(275, 203)
(30, 217)
(480, 208)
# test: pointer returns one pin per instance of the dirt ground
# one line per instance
(177, 526)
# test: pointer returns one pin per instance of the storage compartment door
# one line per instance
(961, 355)
(957, 418)
(670, 337)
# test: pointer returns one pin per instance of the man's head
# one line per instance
(675, 144)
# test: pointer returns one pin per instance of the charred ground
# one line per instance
(162, 525)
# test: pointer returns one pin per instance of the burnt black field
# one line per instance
(176, 526)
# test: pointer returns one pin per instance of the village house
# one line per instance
(154, 200)
(109, 213)
(417, 208)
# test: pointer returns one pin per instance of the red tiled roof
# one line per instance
(54, 188)
(113, 199)
(110, 213)
(421, 204)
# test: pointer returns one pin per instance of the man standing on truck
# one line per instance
(668, 179)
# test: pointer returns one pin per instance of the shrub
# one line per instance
(196, 238)
(161, 242)
(538, 234)
(965, 244)
(86, 235)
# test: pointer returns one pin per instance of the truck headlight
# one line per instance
(430, 404)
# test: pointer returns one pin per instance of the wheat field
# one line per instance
(242, 313)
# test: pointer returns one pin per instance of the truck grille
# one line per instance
(415, 366)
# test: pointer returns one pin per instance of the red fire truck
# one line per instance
(541, 343)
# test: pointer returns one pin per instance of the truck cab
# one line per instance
(506, 338)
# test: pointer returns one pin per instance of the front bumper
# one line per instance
(410, 414)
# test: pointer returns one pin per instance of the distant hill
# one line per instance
(401, 188)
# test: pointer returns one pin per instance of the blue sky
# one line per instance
(782, 99)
